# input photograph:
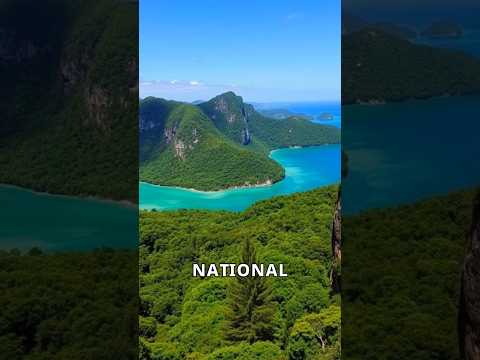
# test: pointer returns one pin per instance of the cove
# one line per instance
(63, 223)
(305, 169)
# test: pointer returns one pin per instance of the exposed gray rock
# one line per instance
(336, 247)
(469, 314)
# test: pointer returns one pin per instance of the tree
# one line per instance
(251, 310)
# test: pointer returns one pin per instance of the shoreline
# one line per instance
(239, 187)
(123, 203)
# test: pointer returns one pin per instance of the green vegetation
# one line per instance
(217, 144)
(192, 153)
(401, 279)
(380, 67)
(296, 317)
(231, 116)
(251, 309)
(68, 306)
(70, 101)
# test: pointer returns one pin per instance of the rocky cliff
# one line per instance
(217, 144)
(70, 96)
(469, 315)
(335, 275)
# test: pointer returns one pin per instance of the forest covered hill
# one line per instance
(70, 96)
(380, 67)
(218, 144)
(185, 317)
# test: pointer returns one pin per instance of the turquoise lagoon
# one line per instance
(400, 153)
(63, 223)
(305, 169)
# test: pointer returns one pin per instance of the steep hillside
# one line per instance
(243, 124)
(217, 144)
(182, 317)
(70, 96)
(180, 146)
(381, 67)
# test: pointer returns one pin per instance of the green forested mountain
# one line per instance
(217, 144)
(69, 96)
(242, 124)
(182, 317)
(185, 149)
(381, 67)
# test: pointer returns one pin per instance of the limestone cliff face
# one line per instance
(229, 111)
(181, 145)
(335, 275)
(469, 314)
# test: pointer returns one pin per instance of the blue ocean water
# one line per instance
(60, 223)
(399, 153)
(314, 109)
(305, 168)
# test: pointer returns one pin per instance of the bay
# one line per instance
(399, 153)
(305, 169)
(63, 223)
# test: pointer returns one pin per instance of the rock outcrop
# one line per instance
(469, 314)
(335, 275)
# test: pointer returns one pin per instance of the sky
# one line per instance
(263, 50)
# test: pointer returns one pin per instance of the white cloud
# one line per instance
(194, 83)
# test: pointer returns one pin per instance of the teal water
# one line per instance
(60, 223)
(305, 169)
(402, 152)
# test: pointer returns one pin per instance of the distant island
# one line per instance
(443, 29)
(283, 114)
(326, 116)
(219, 144)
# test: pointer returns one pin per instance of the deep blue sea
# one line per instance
(403, 152)
(310, 108)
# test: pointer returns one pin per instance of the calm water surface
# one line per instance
(60, 223)
(400, 153)
(305, 169)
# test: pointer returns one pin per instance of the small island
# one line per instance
(443, 29)
(281, 114)
(326, 116)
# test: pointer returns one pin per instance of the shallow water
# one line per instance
(305, 169)
(61, 223)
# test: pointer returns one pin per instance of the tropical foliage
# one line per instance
(217, 144)
(382, 67)
(68, 306)
(297, 317)
(69, 100)
(401, 271)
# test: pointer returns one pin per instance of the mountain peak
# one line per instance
(230, 97)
